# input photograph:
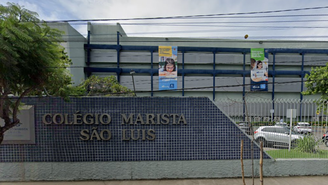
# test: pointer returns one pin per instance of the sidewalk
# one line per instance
(299, 180)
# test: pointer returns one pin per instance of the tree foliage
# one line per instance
(317, 82)
(105, 86)
(31, 61)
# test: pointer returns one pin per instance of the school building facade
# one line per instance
(214, 68)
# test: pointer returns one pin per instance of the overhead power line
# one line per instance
(250, 28)
(224, 22)
(268, 16)
(225, 86)
(195, 16)
(207, 87)
(267, 27)
(112, 37)
(204, 23)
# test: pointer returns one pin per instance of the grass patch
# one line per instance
(284, 153)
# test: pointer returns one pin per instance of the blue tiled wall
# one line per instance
(208, 134)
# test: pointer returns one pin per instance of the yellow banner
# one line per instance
(165, 51)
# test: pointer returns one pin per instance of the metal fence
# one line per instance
(297, 141)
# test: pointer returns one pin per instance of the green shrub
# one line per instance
(307, 144)
(319, 123)
(104, 86)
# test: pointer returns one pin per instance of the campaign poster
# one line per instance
(259, 69)
(168, 67)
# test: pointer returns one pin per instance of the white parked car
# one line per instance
(283, 124)
(275, 135)
(303, 128)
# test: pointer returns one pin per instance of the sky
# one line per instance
(310, 24)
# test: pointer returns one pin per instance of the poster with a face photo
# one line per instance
(168, 67)
(259, 69)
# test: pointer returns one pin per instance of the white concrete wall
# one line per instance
(157, 169)
(74, 45)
